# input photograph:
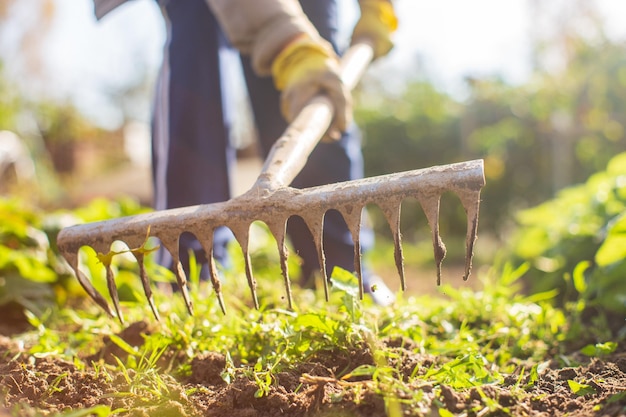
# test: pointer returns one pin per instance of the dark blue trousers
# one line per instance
(192, 155)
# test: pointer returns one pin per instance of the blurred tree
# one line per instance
(61, 139)
(553, 131)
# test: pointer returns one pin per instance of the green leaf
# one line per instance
(580, 389)
(510, 275)
(122, 344)
(363, 370)
(599, 349)
(542, 296)
(613, 248)
(534, 375)
(315, 323)
(578, 276)
(141, 250)
(345, 281)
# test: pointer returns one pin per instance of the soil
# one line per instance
(50, 384)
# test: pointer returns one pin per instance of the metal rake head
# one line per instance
(274, 207)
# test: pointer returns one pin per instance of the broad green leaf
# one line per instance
(580, 389)
(613, 248)
(345, 281)
(599, 349)
(315, 322)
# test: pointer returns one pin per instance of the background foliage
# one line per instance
(576, 242)
(536, 138)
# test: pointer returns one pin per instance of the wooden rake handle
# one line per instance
(291, 151)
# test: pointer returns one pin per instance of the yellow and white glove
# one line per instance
(377, 23)
(307, 67)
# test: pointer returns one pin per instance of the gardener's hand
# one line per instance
(307, 67)
(377, 24)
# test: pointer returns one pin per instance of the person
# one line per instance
(289, 54)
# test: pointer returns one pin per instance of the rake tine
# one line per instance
(250, 277)
(471, 203)
(91, 291)
(430, 205)
(242, 235)
(353, 221)
(72, 259)
(357, 263)
(278, 229)
(207, 245)
(171, 245)
(316, 227)
(284, 254)
(181, 279)
(113, 292)
(146, 285)
(392, 210)
(215, 281)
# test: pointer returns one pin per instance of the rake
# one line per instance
(273, 202)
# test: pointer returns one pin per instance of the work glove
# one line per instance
(307, 67)
(377, 24)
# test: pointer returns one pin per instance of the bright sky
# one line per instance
(447, 39)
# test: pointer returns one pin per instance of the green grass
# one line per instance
(474, 339)
(477, 337)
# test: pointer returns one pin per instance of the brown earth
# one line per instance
(50, 384)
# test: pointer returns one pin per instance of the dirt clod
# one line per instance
(207, 369)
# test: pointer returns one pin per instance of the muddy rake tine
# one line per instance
(92, 292)
(110, 278)
(278, 229)
(284, 268)
(392, 209)
(471, 203)
(242, 235)
(181, 280)
(353, 221)
(250, 277)
(357, 263)
(316, 227)
(146, 285)
(430, 205)
(217, 284)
